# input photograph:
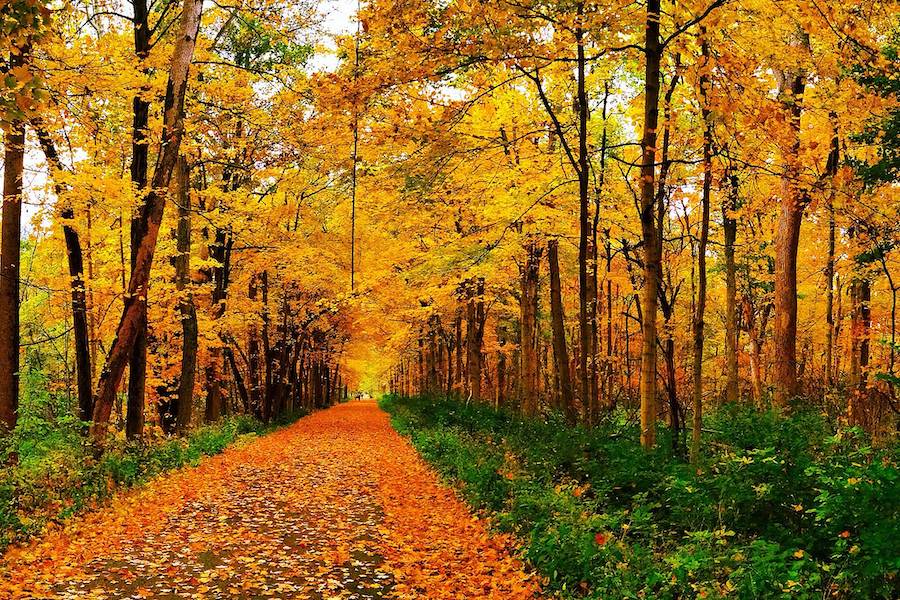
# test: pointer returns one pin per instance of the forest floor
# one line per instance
(337, 505)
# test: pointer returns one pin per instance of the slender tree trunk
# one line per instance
(501, 366)
(892, 350)
(189, 329)
(838, 321)
(214, 394)
(238, 379)
(729, 229)
(432, 357)
(861, 320)
(652, 248)
(700, 306)
(266, 376)
(675, 420)
(474, 335)
(529, 351)
(560, 350)
(420, 354)
(253, 358)
(137, 363)
(831, 170)
(154, 203)
(448, 382)
(460, 363)
(585, 300)
(75, 258)
(607, 363)
(93, 338)
(10, 243)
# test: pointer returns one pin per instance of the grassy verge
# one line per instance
(56, 474)
(781, 507)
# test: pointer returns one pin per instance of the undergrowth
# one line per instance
(779, 506)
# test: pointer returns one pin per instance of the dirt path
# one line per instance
(336, 506)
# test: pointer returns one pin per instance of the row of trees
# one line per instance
(158, 173)
(573, 204)
(699, 145)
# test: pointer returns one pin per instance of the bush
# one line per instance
(782, 506)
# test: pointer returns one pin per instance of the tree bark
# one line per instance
(560, 350)
(652, 249)
(530, 378)
(586, 299)
(831, 170)
(474, 335)
(501, 366)
(189, 329)
(10, 244)
(75, 256)
(450, 373)
(860, 326)
(700, 306)
(154, 203)
(460, 362)
(608, 362)
(729, 230)
(432, 356)
(238, 379)
(787, 240)
(137, 362)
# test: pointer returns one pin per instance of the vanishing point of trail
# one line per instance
(337, 505)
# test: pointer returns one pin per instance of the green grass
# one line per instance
(780, 507)
(57, 475)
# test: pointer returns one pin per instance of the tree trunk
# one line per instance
(756, 329)
(700, 307)
(253, 358)
(729, 229)
(838, 321)
(214, 395)
(560, 350)
(154, 203)
(432, 357)
(450, 372)
(420, 361)
(10, 243)
(137, 362)
(607, 363)
(831, 170)
(501, 366)
(474, 335)
(586, 300)
(460, 362)
(787, 240)
(530, 377)
(652, 248)
(238, 379)
(189, 329)
(75, 258)
(860, 324)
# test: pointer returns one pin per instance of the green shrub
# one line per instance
(783, 506)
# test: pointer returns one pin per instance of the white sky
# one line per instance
(338, 19)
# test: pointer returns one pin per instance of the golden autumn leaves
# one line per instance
(335, 506)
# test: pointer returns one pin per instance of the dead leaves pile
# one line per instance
(336, 506)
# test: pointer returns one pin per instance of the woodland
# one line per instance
(625, 273)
